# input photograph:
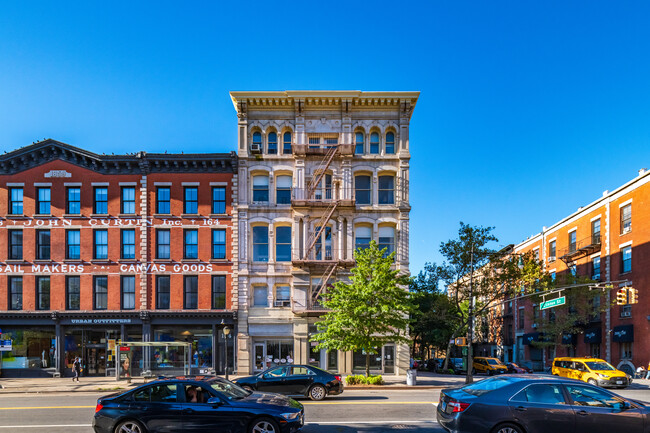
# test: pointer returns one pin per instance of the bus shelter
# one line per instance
(152, 358)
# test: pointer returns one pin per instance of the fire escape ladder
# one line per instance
(320, 171)
(327, 275)
(322, 223)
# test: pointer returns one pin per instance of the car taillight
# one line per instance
(98, 407)
(457, 406)
(338, 377)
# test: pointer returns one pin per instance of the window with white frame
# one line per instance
(386, 190)
(386, 239)
(626, 218)
(272, 143)
(362, 237)
(595, 265)
(626, 259)
(257, 140)
(283, 189)
(282, 296)
(374, 143)
(260, 296)
(358, 146)
(260, 188)
(390, 143)
(283, 244)
(286, 146)
(551, 251)
(260, 244)
(363, 189)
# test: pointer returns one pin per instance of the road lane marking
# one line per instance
(45, 407)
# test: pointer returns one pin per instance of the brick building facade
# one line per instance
(102, 248)
(607, 241)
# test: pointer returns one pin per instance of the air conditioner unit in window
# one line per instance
(551, 259)
(626, 314)
(256, 148)
(282, 303)
(627, 229)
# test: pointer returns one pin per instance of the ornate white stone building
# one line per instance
(320, 174)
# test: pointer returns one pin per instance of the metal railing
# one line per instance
(584, 246)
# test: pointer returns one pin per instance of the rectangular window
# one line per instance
(283, 190)
(218, 244)
(260, 244)
(42, 293)
(162, 292)
(16, 201)
(101, 201)
(595, 232)
(128, 292)
(260, 296)
(191, 291)
(42, 245)
(128, 243)
(260, 189)
(218, 292)
(283, 296)
(72, 244)
(219, 200)
(386, 240)
(73, 292)
(15, 244)
(128, 200)
(100, 244)
(386, 190)
(73, 200)
(362, 237)
(100, 289)
(362, 189)
(163, 198)
(551, 251)
(521, 319)
(626, 350)
(626, 219)
(162, 244)
(572, 241)
(191, 244)
(191, 202)
(15, 293)
(283, 244)
(626, 255)
(595, 263)
(43, 201)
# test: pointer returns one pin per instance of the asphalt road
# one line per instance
(361, 411)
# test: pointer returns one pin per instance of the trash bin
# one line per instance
(411, 376)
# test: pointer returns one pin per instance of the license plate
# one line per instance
(619, 382)
(443, 406)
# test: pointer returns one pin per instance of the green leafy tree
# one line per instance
(371, 310)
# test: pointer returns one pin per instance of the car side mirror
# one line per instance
(215, 402)
(626, 405)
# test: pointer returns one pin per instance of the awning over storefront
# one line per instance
(593, 335)
(532, 337)
(569, 339)
(623, 334)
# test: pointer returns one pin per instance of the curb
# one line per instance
(397, 387)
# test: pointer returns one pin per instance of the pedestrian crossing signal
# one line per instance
(621, 296)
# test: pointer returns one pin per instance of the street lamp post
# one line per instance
(226, 332)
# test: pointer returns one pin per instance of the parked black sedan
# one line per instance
(297, 380)
(518, 369)
(538, 404)
(197, 404)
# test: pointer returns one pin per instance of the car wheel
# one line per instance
(508, 428)
(129, 427)
(490, 372)
(263, 425)
(317, 392)
(592, 382)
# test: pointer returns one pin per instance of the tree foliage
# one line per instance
(371, 310)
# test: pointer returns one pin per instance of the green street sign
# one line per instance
(553, 303)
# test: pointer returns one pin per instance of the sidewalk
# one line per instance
(425, 380)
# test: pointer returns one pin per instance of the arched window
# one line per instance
(362, 237)
(260, 188)
(358, 149)
(386, 240)
(257, 140)
(273, 143)
(362, 189)
(260, 244)
(390, 143)
(374, 142)
(283, 190)
(286, 147)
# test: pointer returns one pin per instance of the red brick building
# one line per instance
(607, 241)
(102, 248)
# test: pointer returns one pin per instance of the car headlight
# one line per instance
(290, 416)
(604, 376)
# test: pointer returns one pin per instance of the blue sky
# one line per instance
(527, 111)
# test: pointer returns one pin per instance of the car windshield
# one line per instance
(599, 366)
(229, 390)
(492, 361)
(484, 386)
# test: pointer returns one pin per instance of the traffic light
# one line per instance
(461, 341)
(633, 295)
(621, 296)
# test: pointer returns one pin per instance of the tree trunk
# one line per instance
(367, 364)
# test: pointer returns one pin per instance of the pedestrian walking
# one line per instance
(647, 376)
(76, 368)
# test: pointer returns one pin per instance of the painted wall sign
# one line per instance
(100, 321)
(58, 173)
(106, 222)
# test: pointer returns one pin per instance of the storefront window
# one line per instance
(32, 348)
(359, 360)
(269, 353)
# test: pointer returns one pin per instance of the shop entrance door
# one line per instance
(260, 356)
(389, 359)
(95, 360)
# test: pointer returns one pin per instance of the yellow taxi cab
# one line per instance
(489, 365)
(591, 370)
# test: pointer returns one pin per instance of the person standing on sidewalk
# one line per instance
(76, 367)
(647, 376)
